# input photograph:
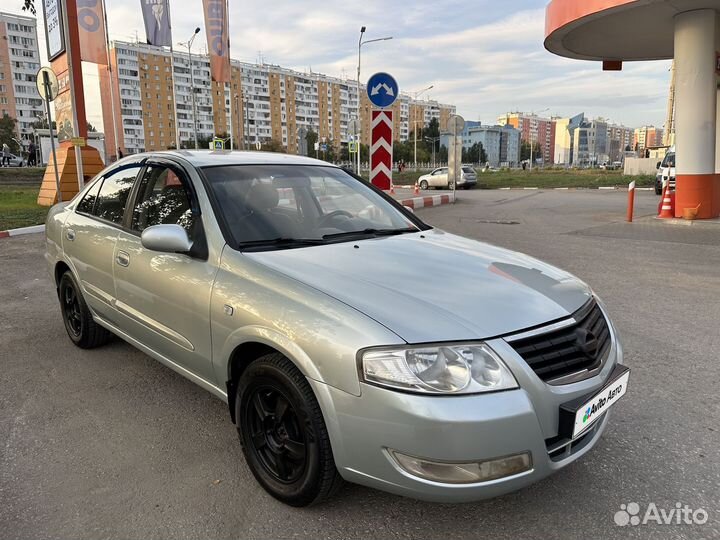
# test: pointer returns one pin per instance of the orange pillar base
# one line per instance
(693, 190)
(67, 168)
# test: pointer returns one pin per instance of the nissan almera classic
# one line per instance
(299, 295)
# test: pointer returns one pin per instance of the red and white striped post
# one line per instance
(381, 149)
(631, 201)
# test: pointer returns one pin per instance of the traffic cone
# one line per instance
(417, 189)
(392, 188)
(666, 210)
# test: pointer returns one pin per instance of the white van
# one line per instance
(666, 171)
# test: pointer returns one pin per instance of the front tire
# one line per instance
(423, 184)
(81, 328)
(283, 434)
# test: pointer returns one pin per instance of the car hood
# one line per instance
(435, 286)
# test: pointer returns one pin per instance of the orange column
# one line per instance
(70, 119)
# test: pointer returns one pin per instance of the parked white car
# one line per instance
(439, 179)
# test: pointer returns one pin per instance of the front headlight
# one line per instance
(443, 369)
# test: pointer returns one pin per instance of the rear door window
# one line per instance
(114, 192)
(87, 205)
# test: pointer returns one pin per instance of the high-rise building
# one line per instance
(620, 139)
(268, 103)
(565, 138)
(535, 129)
(501, 143)
(647, 137)
(19, 62)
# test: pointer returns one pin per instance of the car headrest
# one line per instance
(262, 197)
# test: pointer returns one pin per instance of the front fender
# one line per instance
(271, 338)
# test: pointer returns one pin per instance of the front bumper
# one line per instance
(457, 429)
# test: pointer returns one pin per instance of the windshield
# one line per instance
(669, 160)
(269, 206)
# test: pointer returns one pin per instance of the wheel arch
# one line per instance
(60, 268)
(254, 344)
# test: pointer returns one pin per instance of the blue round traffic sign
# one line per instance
(382, 90)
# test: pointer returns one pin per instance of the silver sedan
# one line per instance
(297, 294)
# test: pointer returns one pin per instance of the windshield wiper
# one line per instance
(281, 242)
(370, 232)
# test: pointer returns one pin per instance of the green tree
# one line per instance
(442, 155)
(29, 5)
(475, 154)
(42, 124)
(311, 138)
(433, 129)
(525, 150)
(272, 146)
(7, 131)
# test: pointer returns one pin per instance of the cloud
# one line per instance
(484, 56)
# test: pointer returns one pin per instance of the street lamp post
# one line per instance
(192, 83)
(360, 44)
(415, 121)
(532, 114)
(433, 141)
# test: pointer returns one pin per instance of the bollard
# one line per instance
(631, 201)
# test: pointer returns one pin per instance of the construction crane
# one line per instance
(669, 132)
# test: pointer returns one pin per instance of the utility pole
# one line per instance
(360, 44)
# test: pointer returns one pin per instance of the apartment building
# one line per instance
(19, 62)
(501, 143)
(269, 102)
(533, 128)
(597, 142)
(647, 137)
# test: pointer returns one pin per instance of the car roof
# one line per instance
(210, 158)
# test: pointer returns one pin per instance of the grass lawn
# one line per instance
(543, 178)
(18, 207)
(21, 175)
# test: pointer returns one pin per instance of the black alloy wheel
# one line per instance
(283, 434)
(79, 323)
(71, 310)
(277, 436)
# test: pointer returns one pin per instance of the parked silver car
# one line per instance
(439, 178)
(298, 294)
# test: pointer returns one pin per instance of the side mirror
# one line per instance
(658, 165)
(166, 239)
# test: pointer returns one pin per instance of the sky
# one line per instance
(484, 56)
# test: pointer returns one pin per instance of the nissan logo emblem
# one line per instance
(587, 342)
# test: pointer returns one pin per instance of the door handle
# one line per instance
(70, 234)
(122, 258)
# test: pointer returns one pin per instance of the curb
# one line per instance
(425, 202)
(23, 230)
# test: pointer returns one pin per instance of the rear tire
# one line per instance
(283, 433)
(79, 323)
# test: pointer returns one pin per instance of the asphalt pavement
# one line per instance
(109, 443)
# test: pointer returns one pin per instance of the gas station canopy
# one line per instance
(615, 29)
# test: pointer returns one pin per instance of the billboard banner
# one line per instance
(156, 15)
(218, 40)
(91, 29)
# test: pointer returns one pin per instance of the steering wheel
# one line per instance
(334, 214)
